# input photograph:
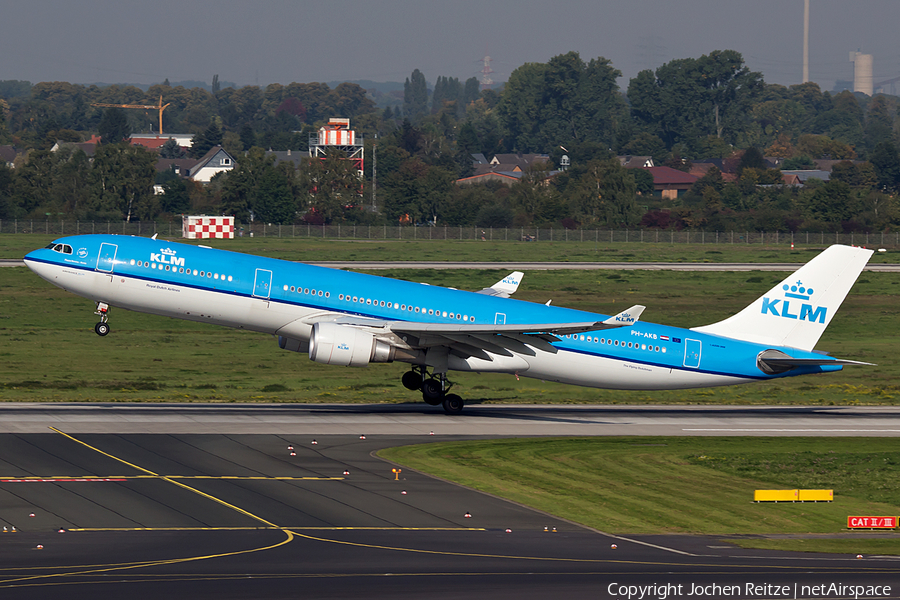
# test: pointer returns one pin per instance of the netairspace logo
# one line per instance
(662, 591)
(808, 312)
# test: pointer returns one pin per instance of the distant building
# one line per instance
(805, 175)
(213, 162)
(8, 155)
(671, 183)
(635, 162)
(155, 141)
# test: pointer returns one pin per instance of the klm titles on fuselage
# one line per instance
(808, 312)
(167, 257)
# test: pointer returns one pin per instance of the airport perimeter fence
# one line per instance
(513, 234)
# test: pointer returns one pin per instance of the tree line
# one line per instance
(687, 109)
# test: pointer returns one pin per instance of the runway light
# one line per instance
(509, 531)
(61, 530)
(5, 530)
(346, 472)
(403, 493)
(362, 437)
(859, 556)
(468, 515)
(40, 546)
(314, 442)
(13, 530)
(613, 546)
(290, 448)
(554, 530)
(430, 433)
(546, 529)
(31, 515)
(293, 453)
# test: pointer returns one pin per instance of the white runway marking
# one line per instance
(802, 430)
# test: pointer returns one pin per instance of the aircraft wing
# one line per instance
(479, 339)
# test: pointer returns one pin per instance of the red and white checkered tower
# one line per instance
(337, 135)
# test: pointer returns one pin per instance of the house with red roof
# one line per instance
(670, 183)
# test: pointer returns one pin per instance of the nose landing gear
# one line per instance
(434, 389)
(102, 328)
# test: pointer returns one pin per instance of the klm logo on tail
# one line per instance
(781, 307)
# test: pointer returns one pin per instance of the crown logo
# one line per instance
(168, 251)
(797, 291)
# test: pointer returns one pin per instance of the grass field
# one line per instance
(50, 353)
(634, 485)
(311, 250)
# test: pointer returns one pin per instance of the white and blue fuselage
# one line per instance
(445, 329)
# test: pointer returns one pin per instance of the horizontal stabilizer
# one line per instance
(775, 362)
(626, 318)
(812, 362)
(506, 287)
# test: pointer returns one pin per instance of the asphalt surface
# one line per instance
(237, 516)
(418, 419)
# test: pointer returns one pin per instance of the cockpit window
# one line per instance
(61, 248)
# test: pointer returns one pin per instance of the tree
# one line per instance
(751, 158)
(606, 194)
(256, 186)
(879, 122)
(123, 179)
(171, 149)
(562, 102)
(114, 126)
(688, 99)
(203, 142)
(175, 198)
(415, 97)
(886, 161)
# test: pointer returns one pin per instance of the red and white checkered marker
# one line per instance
(199, 227)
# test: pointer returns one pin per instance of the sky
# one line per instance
(280, 41)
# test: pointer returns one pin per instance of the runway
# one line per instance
(197, 505)
(417, 419)
(236, 516)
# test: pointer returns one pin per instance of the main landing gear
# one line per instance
(434, 389)
(102, 328)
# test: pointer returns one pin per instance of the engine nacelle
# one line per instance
(333, 344)
(293, 345)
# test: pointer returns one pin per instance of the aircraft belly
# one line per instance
(499, 364)
(609, 373)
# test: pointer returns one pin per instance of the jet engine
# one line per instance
(333, 344)
(286, 343)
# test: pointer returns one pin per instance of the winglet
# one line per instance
(627, 317)
(506, 287)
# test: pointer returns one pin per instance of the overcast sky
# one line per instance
(266, 41)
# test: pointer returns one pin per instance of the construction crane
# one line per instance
(160, 107)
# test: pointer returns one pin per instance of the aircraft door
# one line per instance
(692, 350)
(262, 285)
(500, 319)
(107, 257)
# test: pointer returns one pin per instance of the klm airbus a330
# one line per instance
(352, 319)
